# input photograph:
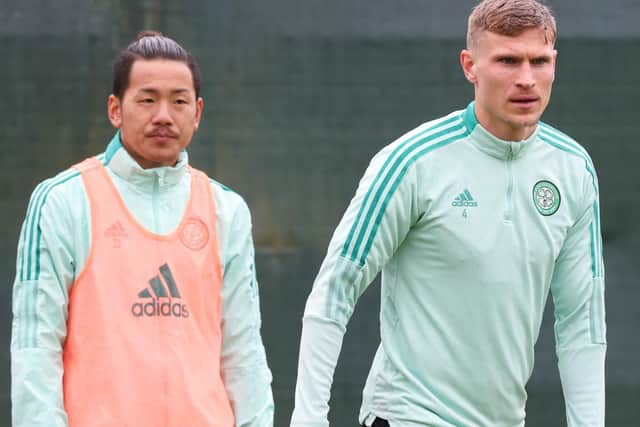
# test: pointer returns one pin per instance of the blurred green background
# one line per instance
(298, 96)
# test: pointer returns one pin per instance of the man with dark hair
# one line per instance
(472, 218)
(135, 300)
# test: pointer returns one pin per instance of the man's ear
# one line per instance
(114, 110)
(468, 65)
(199, 108)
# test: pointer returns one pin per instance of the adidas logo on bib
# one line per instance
(157, 303)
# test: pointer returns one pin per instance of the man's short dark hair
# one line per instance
(151, 45)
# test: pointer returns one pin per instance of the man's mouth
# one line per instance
(524, 99)
(162, 134)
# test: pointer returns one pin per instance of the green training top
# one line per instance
(470, 233)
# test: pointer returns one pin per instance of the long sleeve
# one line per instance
(246, 375)
(374, 225)
(53, 249)
(578, 294)
(45, 270)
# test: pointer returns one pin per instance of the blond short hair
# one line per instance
(510, 18)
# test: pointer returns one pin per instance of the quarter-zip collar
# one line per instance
(490, 144)
(123, 165)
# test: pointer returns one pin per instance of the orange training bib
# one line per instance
(144, 327)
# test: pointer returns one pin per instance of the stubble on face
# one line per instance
(158, 112)
(512, 76)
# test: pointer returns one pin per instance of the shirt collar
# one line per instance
(122, 164)
(490, 144)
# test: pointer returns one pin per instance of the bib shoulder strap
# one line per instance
(87, 164)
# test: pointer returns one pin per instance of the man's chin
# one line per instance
(155, 160)
(166, 161)
(524, 121)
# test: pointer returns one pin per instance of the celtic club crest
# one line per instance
(194, 234)
(546, 197)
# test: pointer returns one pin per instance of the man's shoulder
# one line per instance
(437, 130)
(218, 186)
(562, 142)
(427, 138)
(65, 185)
(227, 199)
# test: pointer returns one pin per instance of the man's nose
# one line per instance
(163, 114)
(525, 76)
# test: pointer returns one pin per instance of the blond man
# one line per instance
(472, 219)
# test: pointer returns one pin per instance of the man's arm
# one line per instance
(376, 222)
(246, 376)
(45, 271)
(578, 294)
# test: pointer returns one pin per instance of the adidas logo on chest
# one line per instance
(464, 199)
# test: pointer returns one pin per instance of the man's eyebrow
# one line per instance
(156, 91)
(507, 53)
(501, 55)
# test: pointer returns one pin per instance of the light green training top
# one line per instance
(470, 233)
(52, 251)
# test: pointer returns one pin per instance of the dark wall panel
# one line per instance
(297, 100)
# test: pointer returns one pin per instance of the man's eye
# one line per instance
(181, 101)
(508, 60)
(539, 61)
(146, 101)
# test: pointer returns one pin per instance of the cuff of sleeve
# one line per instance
(36, 388)
(582, 376)
(249, 391)
(320, 347)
